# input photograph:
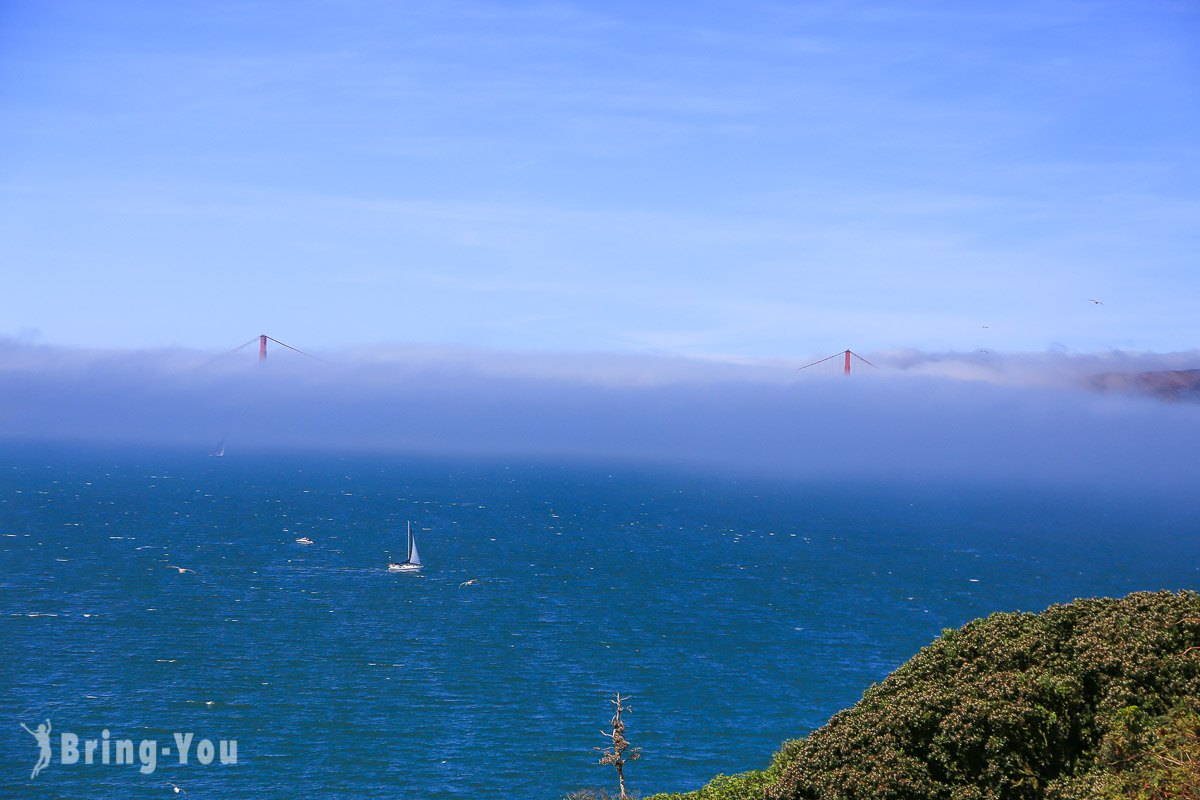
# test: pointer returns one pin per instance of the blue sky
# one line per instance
(764, 180)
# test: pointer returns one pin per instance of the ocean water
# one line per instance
(737, 612)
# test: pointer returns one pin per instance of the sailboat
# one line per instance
(413, 562)
(220, 451)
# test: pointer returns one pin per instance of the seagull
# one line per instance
(181, 571)
(468, 583)
(178, 790)
(1097, 302)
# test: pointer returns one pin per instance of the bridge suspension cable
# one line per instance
(262, 340)
(846, 355)
(262, 348)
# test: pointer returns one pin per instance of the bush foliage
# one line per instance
(1092, 699)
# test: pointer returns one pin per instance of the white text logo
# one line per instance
(107, 749)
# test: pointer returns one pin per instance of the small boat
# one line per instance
(220, 451)
(304, 540)
(413, 562)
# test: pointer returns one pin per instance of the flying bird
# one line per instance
(1097, 302)
(181, 571)
(468, 583)
(178, 790)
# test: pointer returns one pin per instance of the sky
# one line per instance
(712, 180)
(607, 230)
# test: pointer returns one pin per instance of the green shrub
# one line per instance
(1092, 699)
(743, 786)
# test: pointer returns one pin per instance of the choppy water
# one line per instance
(737, 613)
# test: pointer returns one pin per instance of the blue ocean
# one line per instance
(161, 599)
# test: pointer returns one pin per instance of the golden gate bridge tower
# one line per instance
(845, 356)
(262, 340)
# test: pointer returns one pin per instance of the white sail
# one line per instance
(413, 558)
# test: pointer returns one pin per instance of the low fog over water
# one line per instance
(979, 416)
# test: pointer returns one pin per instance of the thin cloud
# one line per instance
(1050, 369)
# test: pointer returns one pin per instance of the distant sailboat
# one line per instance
(220, 451)
(413, 562)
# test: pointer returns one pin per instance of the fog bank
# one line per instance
(918, 416)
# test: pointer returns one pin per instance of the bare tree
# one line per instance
(613, 754)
